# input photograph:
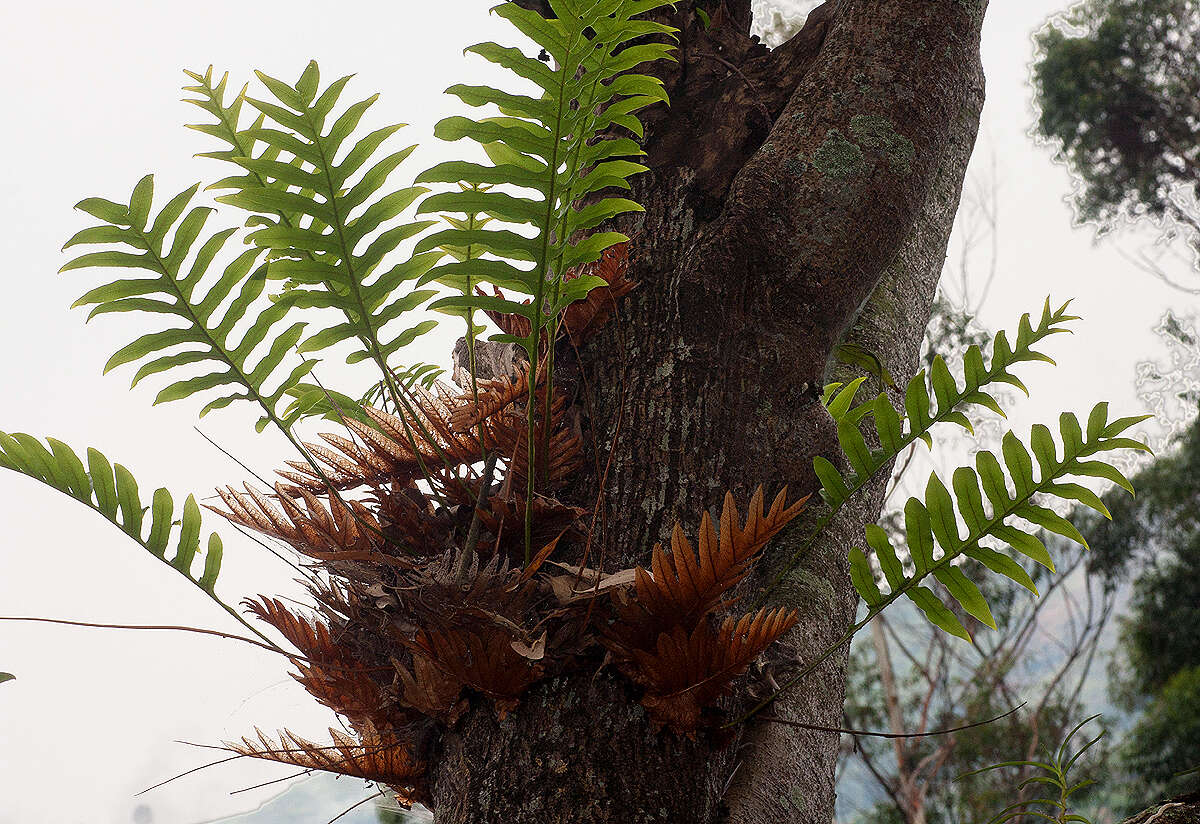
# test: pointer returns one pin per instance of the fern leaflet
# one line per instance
(111, 490)
(327, 226)
(172, 289)
(932, 522)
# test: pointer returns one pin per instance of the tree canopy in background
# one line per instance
(1118, 83)
(1118, 87)
(1157, 669)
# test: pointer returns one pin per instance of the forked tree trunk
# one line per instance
(798, 199)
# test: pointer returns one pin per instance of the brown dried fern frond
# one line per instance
(323, 530)
(484, 660)
(686, 584)
(328, 671)
(687, 672)
(312, 638)
(494, 395)
(429, 690)
(391, 763)
(411, 521)
(459, 590)
(508, 434)
(394, 449)
(505, 516)
(584, 317)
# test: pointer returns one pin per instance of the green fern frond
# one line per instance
(1054, 773)
(111, 490)
(924, 408)
(928, 402)
(559, 151)
(203, 333)
(987, 509)
(420, 374)
(548, 146)
(312, 400)
(326, 222)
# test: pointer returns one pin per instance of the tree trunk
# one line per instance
(797, 198)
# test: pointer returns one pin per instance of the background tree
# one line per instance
(1118, 85)
(1155, 541)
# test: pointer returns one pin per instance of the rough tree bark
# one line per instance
(798, 198)
(1184, 809)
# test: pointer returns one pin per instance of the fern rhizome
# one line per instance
(443, 565)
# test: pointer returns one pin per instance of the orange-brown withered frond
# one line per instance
(686, 584)
(391, 763)
(686, 672)
(323, 530)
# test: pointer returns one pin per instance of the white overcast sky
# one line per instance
(91, 104)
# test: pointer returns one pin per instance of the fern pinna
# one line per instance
(446, 562)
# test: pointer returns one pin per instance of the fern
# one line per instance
(373, 758)
(923, 410)
(1054, 774)
(172, 289)
(933, 522)
(320, 215)
(549, 147)
(111, 490)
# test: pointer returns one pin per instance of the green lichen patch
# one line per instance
(838, 158)
(879, 136)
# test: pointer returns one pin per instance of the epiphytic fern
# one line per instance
(551, 147)
(687, 671)
(328, 671)
(548, 146)
(111, 490)
(1054, 774)
(373, 758)
(663, 638)
(483, 659)
(322, 215)
(923, 410)
(932, 522)
(339, 531)
(684, 585)
(384, 450)
(312, 400)
(174, 290)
